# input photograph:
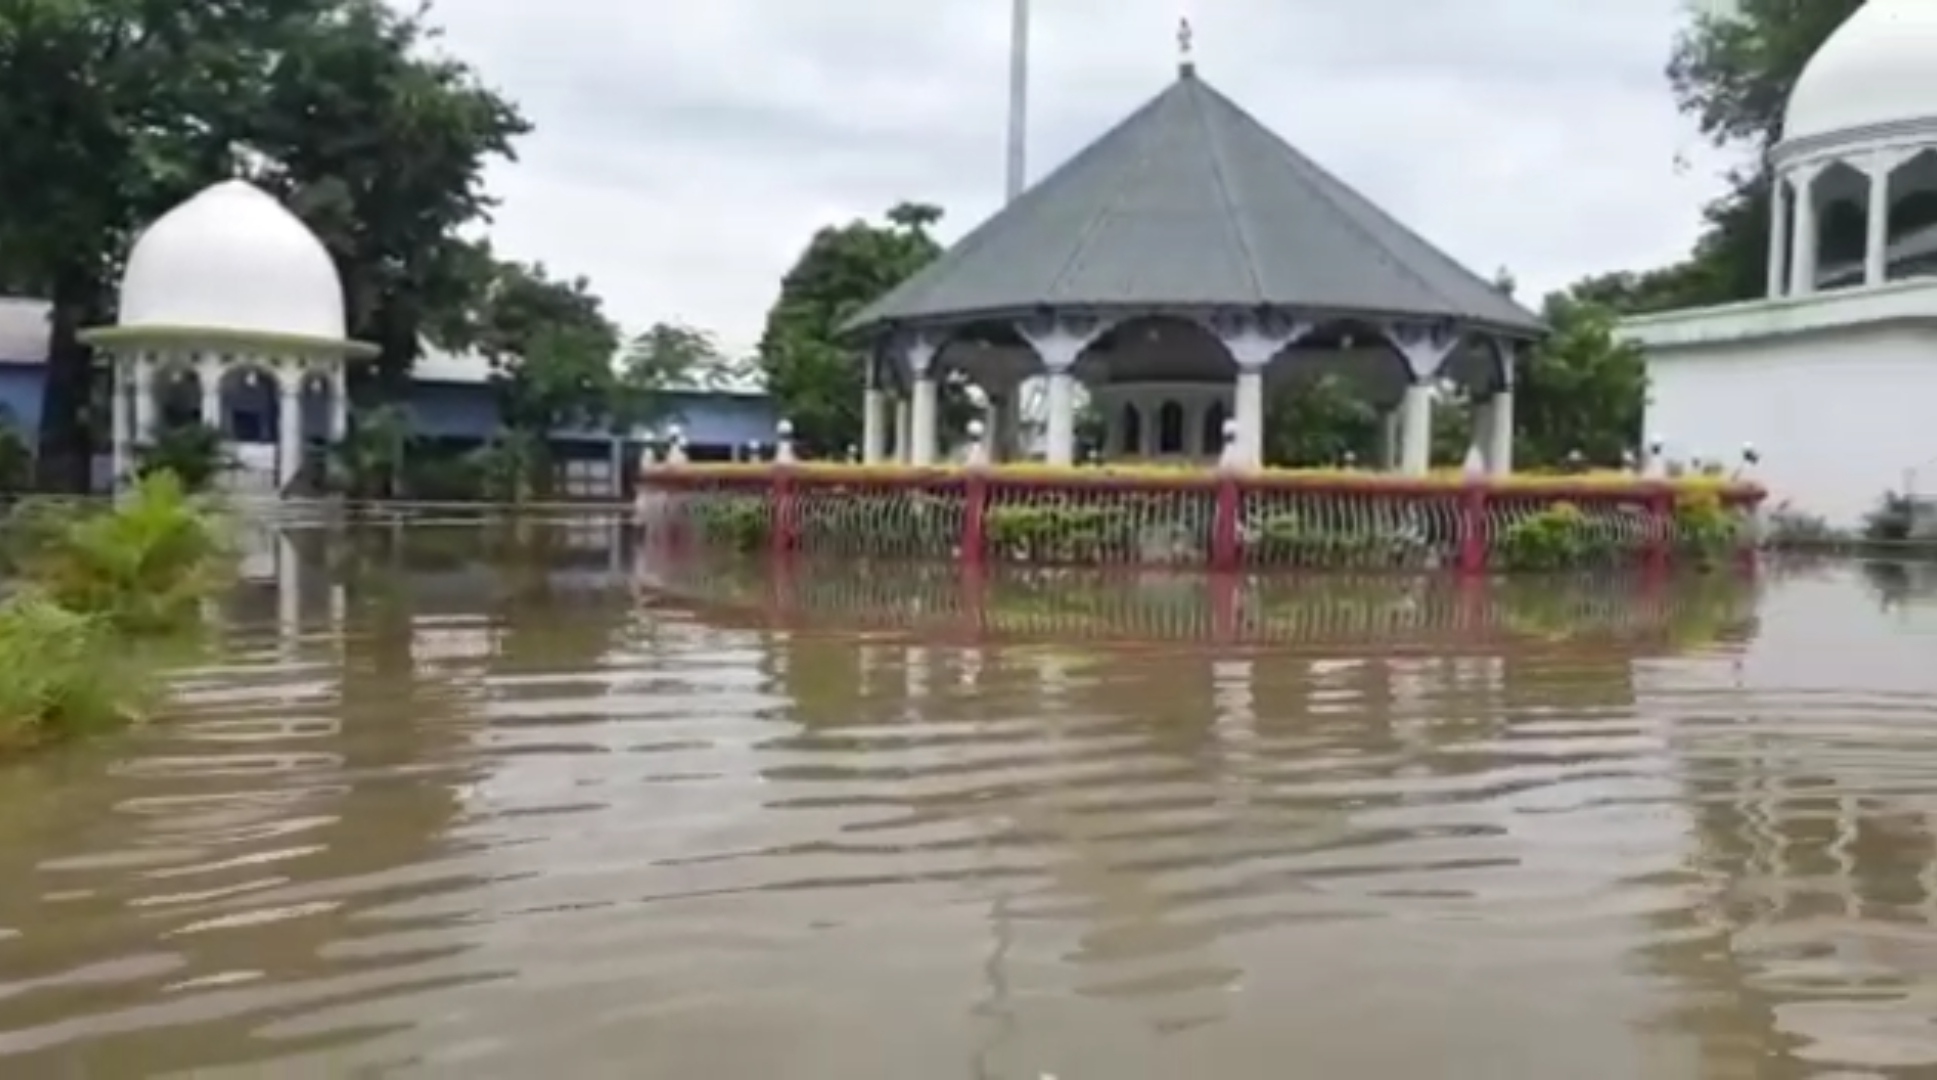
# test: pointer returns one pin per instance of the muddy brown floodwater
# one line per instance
(457, 803)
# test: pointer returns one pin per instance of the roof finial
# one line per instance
(1185, 65)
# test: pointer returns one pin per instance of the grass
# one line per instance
(93, 589)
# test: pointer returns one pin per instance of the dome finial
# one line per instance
(1185, 65)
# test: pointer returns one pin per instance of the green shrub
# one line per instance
(739, 523)
(1557, 538)
(1066, 532)
(143, 567)
(196, 454)
(16, 462)
(1705, 531)
(62, 674)
(1295, 540)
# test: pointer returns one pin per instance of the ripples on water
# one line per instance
(486, 828)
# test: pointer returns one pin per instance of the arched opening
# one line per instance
(1211, 439)
(1841, 196)
(178, 396)
(1912, 191)
(248, 404)
(1170, 429)
(1131, 442)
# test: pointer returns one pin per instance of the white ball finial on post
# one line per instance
(675, 445)
(783, 443)
(1232, 457)
(978, 447)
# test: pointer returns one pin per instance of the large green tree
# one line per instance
(113, 110)
(1582, 389)
(815, 378)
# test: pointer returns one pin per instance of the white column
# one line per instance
(1389, 439)
(1058, 345)
(904, 428)
(1061, 401)
(1253, 344)
(339, 402)
(289, 426)
(1499, 448)
(1778, 228)
(874, 434)
(1416, 430)
(208, 373)
(119, 418)
(144, 403)
(1425, 350)
(923, 414)
(1877, 243)
(1802, 244)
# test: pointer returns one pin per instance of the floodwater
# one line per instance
(468, 806)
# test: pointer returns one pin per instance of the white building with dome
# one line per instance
(230, 295)
(1832, 375)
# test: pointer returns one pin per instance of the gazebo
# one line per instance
(1181, 268)
(231, 312)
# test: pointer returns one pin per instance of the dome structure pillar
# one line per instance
(874, 415)
(1778, 235)
(1803, 232)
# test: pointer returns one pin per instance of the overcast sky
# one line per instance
(685, 152)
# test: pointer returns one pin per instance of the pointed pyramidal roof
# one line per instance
(1192, 202)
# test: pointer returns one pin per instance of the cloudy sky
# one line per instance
(685, 153)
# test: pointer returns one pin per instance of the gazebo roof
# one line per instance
(1193, 202)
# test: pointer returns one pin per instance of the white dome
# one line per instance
(232, 259)
(1880, 67)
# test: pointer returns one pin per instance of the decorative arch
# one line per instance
(1211, 439)
(1170, 428)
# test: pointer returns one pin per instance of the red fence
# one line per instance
(1218, 520)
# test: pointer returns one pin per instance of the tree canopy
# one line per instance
(815, 379)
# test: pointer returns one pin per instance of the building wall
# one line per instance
(454, 411)
(1839, 417)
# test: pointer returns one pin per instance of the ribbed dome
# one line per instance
(232, 259)
(1880, 67)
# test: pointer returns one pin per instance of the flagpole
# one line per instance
(1018, 98)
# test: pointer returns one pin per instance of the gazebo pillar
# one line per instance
(208, 373)
(289, 426)
(1253, 344)
(1058, 346)
(1424, 349)
(904, 426)
(921, 364)
(874, 416)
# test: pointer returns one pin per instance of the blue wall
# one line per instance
(442, 410)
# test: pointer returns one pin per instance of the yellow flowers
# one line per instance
(1159, 475)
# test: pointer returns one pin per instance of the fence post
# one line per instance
(975, 500)
(1660, 514)
(1472, 531)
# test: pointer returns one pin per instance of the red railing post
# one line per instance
(975, 510)
(786, 511)
(1225, 553)
(1472, 527)
(1659, 510)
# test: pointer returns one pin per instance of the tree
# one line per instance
(1582, 389)
(667, 356)
(815, 379)
(551, 347)
(1317, 421)
(114, 110)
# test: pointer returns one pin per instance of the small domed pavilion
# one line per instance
(227, 299)
(1181, 268)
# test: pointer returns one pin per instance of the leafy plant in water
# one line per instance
(1070, 532)
(1296, 540)
(740, 523)
(1705, 531)
(1556, 538)
(143, 567)
(62, 674)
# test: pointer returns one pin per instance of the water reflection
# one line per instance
(462, 802)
